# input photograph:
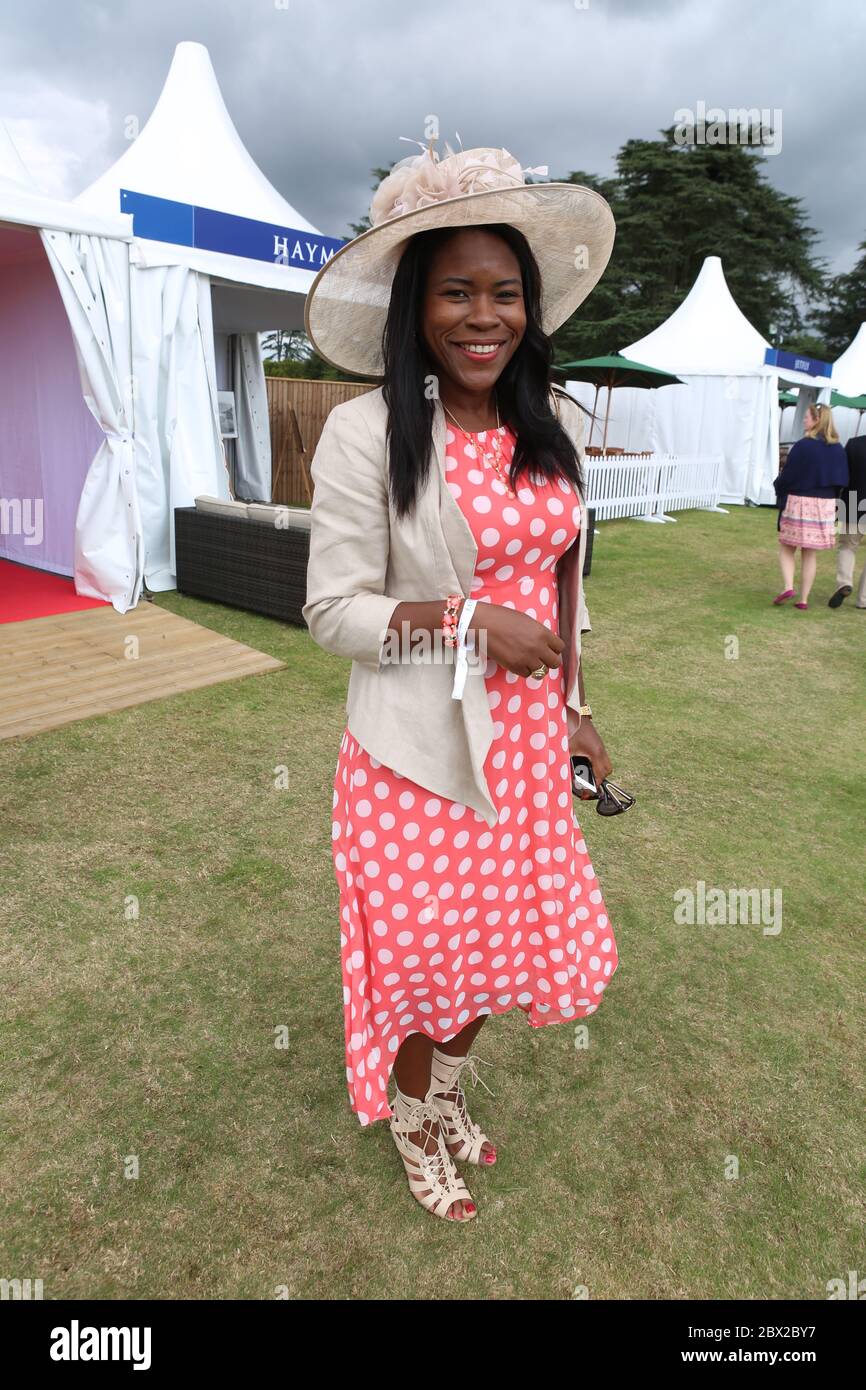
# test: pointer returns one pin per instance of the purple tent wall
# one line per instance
(48, 437)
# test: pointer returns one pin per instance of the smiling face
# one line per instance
(473, 314)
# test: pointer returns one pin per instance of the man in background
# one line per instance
(850, 534)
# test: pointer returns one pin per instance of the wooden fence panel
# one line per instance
(298, 409)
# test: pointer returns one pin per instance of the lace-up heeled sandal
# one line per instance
(457, 1128)
(433, 1179)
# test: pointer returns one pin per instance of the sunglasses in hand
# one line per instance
(612, 800)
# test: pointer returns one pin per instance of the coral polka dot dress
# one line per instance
(444, 918)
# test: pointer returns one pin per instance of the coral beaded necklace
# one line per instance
(493, 457)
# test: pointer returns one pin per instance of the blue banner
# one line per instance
(812, 366)
(184, 224)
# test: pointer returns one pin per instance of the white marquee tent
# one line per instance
(849, 378)
(169, 266)
(731, 404)
(64, 307)
(849, 369)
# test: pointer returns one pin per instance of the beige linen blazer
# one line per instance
(363, 562)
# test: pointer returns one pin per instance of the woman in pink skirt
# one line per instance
(466, 886)
(806, 492)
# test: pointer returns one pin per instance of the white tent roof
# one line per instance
(23, 203)
(190, 153)
(849, 370)
(707, 335)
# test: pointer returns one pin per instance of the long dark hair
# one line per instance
(522, 390)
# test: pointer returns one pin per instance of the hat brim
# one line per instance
(570, 229)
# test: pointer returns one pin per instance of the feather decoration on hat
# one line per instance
(422, 179)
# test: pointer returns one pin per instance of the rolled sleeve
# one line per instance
(347, 610)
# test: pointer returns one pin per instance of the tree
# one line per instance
(675, 204)
(292, 354)
(288, 352)
(845, 310)
(285, 345)
(364, 225)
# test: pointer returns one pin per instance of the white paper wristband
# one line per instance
(461, 665)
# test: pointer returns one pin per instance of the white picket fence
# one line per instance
(650, 488)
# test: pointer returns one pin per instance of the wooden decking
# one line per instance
(56, 670)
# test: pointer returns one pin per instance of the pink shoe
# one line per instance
(801, 605)
(784, 596)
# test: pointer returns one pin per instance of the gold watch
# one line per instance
(585, 711)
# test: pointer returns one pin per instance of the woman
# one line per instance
(448, 516)
(806, 492)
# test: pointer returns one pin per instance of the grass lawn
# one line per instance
(169, 916)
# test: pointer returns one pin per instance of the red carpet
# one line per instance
(29, 593)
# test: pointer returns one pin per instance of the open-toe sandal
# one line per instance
(450, 1101)
(433, 1179)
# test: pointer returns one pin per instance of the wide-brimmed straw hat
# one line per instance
(570, 229)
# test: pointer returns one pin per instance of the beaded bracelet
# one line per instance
(449, 619)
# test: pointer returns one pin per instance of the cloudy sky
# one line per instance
(320, 90)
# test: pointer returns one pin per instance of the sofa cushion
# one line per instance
(221, 506)
(280, 516)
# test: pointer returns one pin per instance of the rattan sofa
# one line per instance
(245, 561)
(231, 555)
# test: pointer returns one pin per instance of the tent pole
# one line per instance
(592, 421)
(606, 420)
(132, 394)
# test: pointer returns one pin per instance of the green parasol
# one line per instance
(612, 371)
(852, 402)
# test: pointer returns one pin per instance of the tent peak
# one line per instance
(849, 369)
(189, 151)
(707, 333)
